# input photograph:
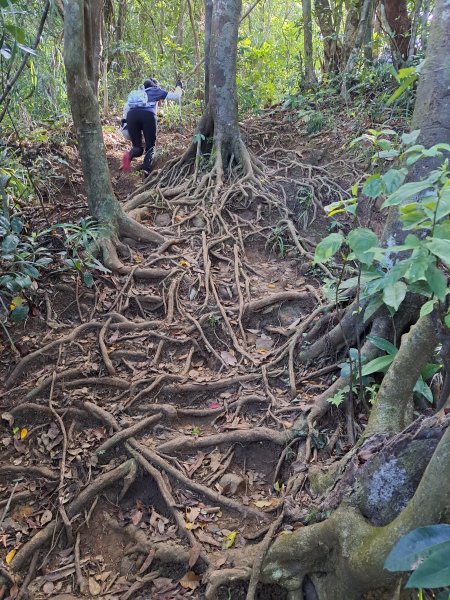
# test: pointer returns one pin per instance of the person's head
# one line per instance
(149, 83)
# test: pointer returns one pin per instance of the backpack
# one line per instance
(137, 99)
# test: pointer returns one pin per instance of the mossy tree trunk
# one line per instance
(80, 52)
(220, 120)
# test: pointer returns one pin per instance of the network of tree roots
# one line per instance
(171, 411)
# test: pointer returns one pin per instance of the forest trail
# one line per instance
(156, 427)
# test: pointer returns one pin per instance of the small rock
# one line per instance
(230, 483)
(163, 220)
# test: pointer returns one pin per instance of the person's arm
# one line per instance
(126, 108)
(176, 94)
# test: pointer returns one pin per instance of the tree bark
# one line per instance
(93, 35)
(310, 75)
(366, 16)
(344, 555)
(351, 28)
(400, 23)
(207, 45)
(331, 46)
(221, 116)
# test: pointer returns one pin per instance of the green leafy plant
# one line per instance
(213, 320)
(424, 551)
(276, 240)
(406, 78)
(21, 257)
(386, 273)
(80, 241)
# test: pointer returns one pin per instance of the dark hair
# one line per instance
(149, 83)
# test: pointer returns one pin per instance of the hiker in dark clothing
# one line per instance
(141, 119)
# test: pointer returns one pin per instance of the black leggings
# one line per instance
(140, 122)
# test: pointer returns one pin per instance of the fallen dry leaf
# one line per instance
(46, 517)
(207, 539)
(266, 503)
(229, 357)
(10, 556)
(192, 513)
(137, 516)
(94, 587)
(190, 581)
(194, 554)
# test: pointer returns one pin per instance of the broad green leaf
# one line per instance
(373, 187)
(375, 302)
(429, 370)
(88, 279)
(22, 281)
(10, 244)
(407, 72)
(419, 262)
(410, 138)
(17, 32)
(447, 321)
(328, 247)
(361, 240)
(422, 388)
(393, 179)
(437, 281)
(388, 154)
(394, 294)
(434, 571)
(30, 270)
(377, 365)
(427, 308)
(442, 231)
(415, 545)
(16, 225)
(406, 191)
(402, 88)
(19, 313)
(443, 207)
(440, 248)
(383, 344)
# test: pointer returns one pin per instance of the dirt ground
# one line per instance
(196, 367)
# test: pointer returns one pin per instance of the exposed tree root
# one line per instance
(193, 338)
(45, 534)
(258, 434)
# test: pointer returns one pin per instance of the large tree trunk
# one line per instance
(365, 20)
(220, 119)
(79, 48)
(310, 75)
(222, 87)
(351, 28)
(331, 45)
(207, 45)
(400, 24)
